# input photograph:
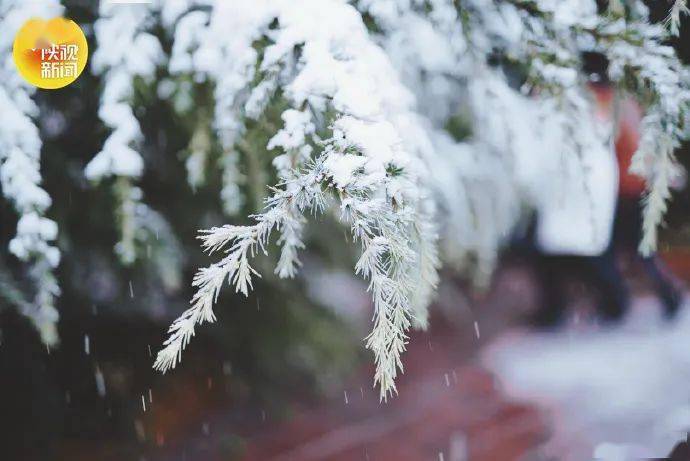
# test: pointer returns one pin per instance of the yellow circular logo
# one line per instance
(50, 54)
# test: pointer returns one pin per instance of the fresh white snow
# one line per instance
(614, 394)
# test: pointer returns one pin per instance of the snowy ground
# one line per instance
(617, 394)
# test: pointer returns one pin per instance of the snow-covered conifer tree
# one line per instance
(419, 124)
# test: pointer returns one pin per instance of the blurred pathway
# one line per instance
(620, 394)
(448, 409)
(442, 413)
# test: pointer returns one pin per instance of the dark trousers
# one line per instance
(602, 272)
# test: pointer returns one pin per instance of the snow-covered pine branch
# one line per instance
(126, 51)
(332, 69)
(239, 244)
(659, 76)
(656, 162)
(203, 50)
(20, 176)
(679, 8)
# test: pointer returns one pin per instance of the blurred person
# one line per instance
(578, 235)
(627, 231)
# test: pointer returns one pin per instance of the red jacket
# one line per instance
(627, 140)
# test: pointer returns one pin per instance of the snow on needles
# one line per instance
(377, 178)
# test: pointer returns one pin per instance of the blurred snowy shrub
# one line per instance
(20, 174)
